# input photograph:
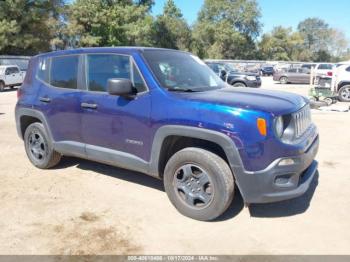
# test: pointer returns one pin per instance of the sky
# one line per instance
(287, 13)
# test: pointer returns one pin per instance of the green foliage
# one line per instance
(25, 25)
(281, 44)
(171, 29)
(109, 23)
(227, 29)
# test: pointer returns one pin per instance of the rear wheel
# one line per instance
(344, 93)
(199, 183)
(283, 80)
(239, 84)
(39, 147)
(2, 86)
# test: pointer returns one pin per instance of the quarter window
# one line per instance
(43, 70)
(64, 71)
(102, 67)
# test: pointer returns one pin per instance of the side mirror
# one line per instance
(223, 74)
(120, 87)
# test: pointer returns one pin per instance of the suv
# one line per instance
(166, 114)
(342, 82)
(233, 77)
(10, 76)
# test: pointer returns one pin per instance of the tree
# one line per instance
(171, 29)
(25, 25)
(227, 29)
(109, 23)
(281, 44)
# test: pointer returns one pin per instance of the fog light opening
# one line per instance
(286, 162)
(283, 179)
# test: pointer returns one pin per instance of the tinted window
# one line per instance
(325, 66)
(293, 70)
(14, 70)
(64, 71)
(348, 69)
(100, 68)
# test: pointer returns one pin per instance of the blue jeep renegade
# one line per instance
(166, 114)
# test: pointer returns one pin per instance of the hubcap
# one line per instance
(346, 93)
(193, 186)
(37, 145)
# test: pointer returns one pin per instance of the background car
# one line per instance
(324, 69)
(267, 71)
(234, 77)
(342, 82)
(293, 75)
(10, 76)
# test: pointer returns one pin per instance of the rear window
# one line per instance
(325, 66)
(64, 71)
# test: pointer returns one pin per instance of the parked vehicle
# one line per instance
(267, 71)
(10, 76)
(234, 77)
(342, 82)
(166, 114)
(323, 69)
(293, 75)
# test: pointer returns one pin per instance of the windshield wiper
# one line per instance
(181, 89)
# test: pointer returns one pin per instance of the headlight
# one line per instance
(279, 126)
(251, 78)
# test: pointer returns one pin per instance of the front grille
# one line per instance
(302, 120)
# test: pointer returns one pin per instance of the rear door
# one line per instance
(113, 124)
(59, 99)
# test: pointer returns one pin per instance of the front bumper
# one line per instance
(280, 182)
(254, 83)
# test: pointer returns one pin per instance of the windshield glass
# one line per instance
(181, 71)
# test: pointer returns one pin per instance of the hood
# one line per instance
(232, 73)
(274, 102)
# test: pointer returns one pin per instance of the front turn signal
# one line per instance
(262, 127)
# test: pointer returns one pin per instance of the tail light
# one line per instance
(19, 93)
(329, 73)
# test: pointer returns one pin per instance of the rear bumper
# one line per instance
(280, 182)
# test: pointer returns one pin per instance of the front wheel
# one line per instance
(39, 147)
(344, 93)
(239, 84)
(199, 183)
(284, 80)
(2, 86)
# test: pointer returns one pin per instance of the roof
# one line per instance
(4, 66)
(119, 49)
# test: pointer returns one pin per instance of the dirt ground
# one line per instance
(82, 207)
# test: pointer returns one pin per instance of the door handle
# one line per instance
(87, 105)
(45, 99)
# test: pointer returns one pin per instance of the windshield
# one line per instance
(181, 71)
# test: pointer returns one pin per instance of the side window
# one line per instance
(64, 71)
(102, 67)
(8, 71)
(348, 69)
(15, 70)
(43, 70)
(293, 70)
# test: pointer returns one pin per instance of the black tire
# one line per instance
(2, 86)
(344, 93)
(239, 84)
(209, 183)
(284, 80)
(39, 147)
